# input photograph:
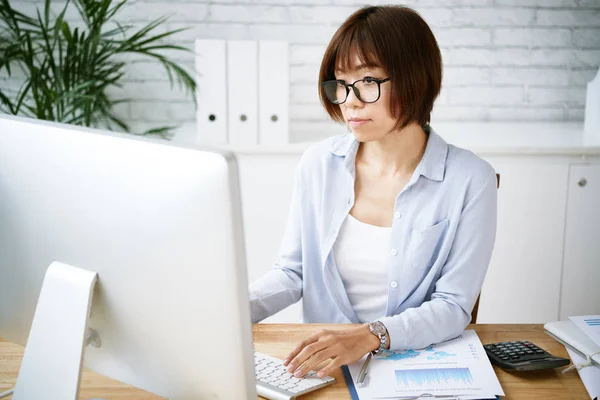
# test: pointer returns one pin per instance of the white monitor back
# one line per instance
(161, 224)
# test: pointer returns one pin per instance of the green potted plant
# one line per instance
(67, 70)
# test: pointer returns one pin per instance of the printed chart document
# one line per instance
(458, 367)
(590, 325)
(589, 375)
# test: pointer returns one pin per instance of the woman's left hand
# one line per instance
(341, 346)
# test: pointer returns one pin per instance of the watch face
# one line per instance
(377, 328)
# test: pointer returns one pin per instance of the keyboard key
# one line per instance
(269, 372)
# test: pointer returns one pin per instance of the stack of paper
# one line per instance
(581, 337)
(458, 368)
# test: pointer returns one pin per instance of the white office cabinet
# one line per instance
(273, 92)
(211, 93)
(242, 92)
(580, 293)
(266, 196)
(523, 280)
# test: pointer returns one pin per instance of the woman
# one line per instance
(389, 225)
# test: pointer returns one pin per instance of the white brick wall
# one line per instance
(504, 60)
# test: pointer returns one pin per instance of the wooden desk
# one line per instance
(278, 340)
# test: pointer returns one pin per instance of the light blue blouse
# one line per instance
(443, 234)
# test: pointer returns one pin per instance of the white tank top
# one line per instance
(361, 254)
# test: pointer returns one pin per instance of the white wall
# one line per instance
(266, 186)
(503, 59)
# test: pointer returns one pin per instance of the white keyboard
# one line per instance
(273, 382)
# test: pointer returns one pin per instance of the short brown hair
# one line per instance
(397, 39)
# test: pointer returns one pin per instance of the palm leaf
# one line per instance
(163, 131)
(4, 100)
(68, 71)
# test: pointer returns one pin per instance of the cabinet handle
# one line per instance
(582, 182)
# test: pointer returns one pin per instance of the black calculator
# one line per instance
(522, 355)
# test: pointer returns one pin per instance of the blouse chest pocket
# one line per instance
(425, 244)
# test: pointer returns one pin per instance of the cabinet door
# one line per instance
(523, 280)
(581, 267)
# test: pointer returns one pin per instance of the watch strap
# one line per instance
(383, 337)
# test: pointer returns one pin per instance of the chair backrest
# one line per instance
(476, 306)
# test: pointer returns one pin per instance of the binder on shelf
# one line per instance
(591, 123)
(211, 93)
(273, 92)
(242, 92)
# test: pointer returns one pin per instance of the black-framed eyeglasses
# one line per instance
(366, 90)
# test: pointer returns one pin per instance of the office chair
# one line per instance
(476, 306)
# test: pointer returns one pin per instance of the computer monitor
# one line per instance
(161, 225)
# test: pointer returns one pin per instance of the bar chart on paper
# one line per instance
(590, 325)
(456, 367)
(416, 379)
(441, 368)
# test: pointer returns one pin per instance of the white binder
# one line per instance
(211, 93)
(591, 123)
(273, 92)
(242, 92)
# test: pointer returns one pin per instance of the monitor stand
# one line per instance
(53, 359)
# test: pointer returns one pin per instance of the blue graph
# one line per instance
(592, 322)
(400, 355)
(431, 353)
(433, 377)
(440, 355)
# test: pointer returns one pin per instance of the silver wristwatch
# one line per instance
(378, 329)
